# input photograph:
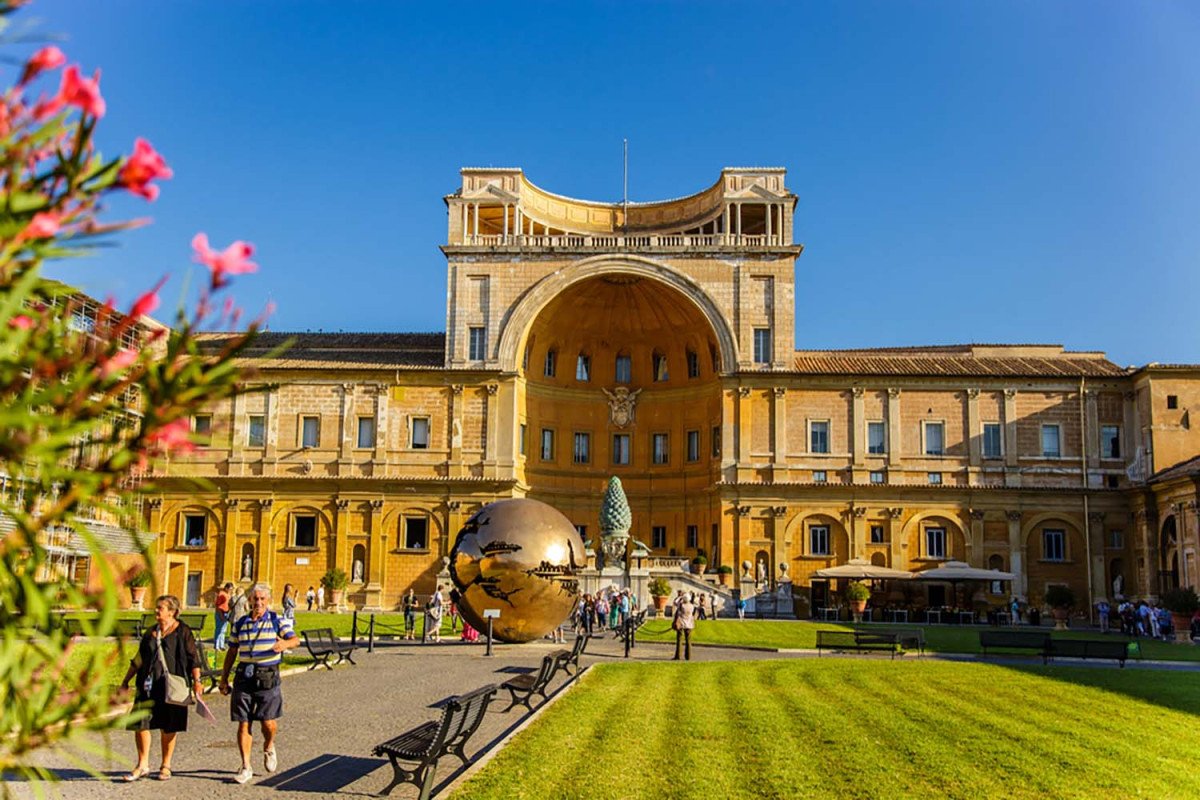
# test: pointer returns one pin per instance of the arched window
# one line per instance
(659, 362)
(624, 368)
(693, 364)
(583, 367)
(551, 363)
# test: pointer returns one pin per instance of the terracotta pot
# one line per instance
(1183, 627)
(137, 594)
(858, 606)
(723, 578)
(335, 598)
(1060, 618)
(660, 603)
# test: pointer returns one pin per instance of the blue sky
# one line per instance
(988, 172)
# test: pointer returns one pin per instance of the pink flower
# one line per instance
(43, 225)
(142, 167)
(233, 260)
(174, 437)
(147, 302)
(21, 322)
(47, 58)
(74, 91)
(119, 362)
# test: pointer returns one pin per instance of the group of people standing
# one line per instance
(1141, 618)
(607, 609)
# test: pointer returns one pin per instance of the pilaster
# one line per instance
(894, 428)
(779, 435)
(1016, 555)
(974, 435)
(894, 530)
(858, 428)
(229, 547)
(1012, 474)
(975, 539)
(341, 529)
(376, 574)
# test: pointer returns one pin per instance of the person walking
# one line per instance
(741, 607)
(1014, 610)
(1103, 608)
(683, 622)
(701, 612)
(433, 615)
(289, 602)
(257, 644)
(320, 597)
(310, 597)
(167, 649)
(221, 615)
(410, 604)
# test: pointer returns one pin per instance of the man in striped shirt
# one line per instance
(257, 643)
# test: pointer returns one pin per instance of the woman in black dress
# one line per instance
(179, 651)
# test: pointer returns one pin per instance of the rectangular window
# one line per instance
(818, 437)
(877, 476)
(658, 537)
(582, 531)
(304, 530)
(716, 441)
(660, 367)
(550, 364)
(661, 448)
(935, 479)
(310, 431)
(1110, 441)
(693, 445)
(1054, 546)
(416, 533)
(524, 434)
(420, 433)
(581, 453)
(876, 534)
(547, 444)
(202, 428)
(620, 448)
(583, 368)
(1051, 444)
(991, 440)
(195, 530)
(693, 536)
(693, 364)
(818, 540)
(256, 433)
(478, 344)
(935, 542)
(1172, 401)
(1116, 540)
(762, 345)
(820, 476)
(875, 441)
(366, 432)
(624, 369)
(935, 444)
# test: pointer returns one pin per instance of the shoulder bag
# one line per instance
(179, 693)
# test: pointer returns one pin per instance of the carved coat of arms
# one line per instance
(621, 404)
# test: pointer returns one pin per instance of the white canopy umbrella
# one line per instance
(954, 571)
(861, 569)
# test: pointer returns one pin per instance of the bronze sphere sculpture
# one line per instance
(520, 557)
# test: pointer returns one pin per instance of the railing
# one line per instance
(624, 242)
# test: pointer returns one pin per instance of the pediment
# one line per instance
(492, 192)
(757, 192)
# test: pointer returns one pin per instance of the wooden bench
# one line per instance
(1038, 641)
(212, 674)
(858, 641)
(322, 645)
(563, 659)
(425, 744)
(524, 687)
(128, 628)
(195, 620)
(911, 639)
(1089, 648)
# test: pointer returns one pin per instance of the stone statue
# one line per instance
(783, 568)
(356, 572)
(615, 521)
(746, 570)
(762, 570)
(621, 405)
(248, 567)
(1118, 584)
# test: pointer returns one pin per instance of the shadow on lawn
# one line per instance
(1178, 690)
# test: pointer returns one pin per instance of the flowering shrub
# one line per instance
(90, 395)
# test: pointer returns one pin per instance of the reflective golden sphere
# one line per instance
(521, 557)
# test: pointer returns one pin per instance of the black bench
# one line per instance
(425, 744)
(524, 687)
(212, 674)
(322, 645)
(1038, 641)
(911, 639)
(563, 659)
(128, 628)
(194, 620)
(858, 641)
(1089, 648)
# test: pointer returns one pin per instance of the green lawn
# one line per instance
(856, 729)
(799, 635)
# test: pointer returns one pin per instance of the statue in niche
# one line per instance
(1118, 585)
(356, 572)
(248, 567)
(762, 570)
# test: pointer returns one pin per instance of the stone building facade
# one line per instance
(654, 341)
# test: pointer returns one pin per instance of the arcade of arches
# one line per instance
(655, 342)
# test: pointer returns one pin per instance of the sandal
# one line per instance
(164, 774)
(137, 774)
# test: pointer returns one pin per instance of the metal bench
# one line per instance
(1038, 641)
(911, 639)
(563, 659)
(128, 628)
(194, 620)
(524, 687)
(425, 744)
(212, 674)
(322, 645)
(858, 641)
(1089, 648)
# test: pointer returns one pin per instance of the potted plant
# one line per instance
(699, 563)
(335, 580)
(857, 594)
(1061, 600)
(660, 590)
(724, 574)
(1182, 603)
(137, 583)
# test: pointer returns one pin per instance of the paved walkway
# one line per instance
(333, 719)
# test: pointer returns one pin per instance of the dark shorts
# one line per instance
(255, 705)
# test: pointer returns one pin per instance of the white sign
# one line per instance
(301, 560)
(491, 613)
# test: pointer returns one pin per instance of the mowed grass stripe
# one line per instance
(854, 728)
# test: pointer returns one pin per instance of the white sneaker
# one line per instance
(244, 775)
(270, 761)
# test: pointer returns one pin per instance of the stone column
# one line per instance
(341, 529)
(1130, 427)
(975, 538)
(858, 429)
(779, 440)
(1147, 524)
(346, 440)
(1016, 555)
(744, 423)
(376, 574)
(1096, 531)
(1092, 441)
(381, 426)
(456, 423)
(858, 545)
(229, 567)
(894, 533)
(729, 422)
(270, 423)
(974, 434)
(237, 433)
(264, 549)
(491, 415)
(895, 439)
(1012, 475)
(778, 530)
